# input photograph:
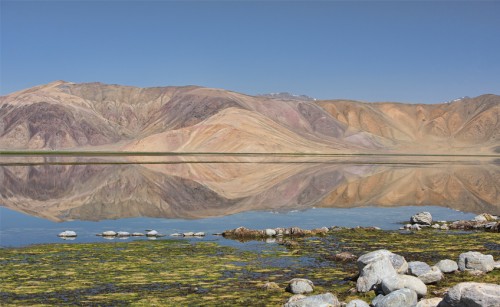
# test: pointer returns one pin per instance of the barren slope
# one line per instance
(232, 130)
(467, 124)
(96, 116)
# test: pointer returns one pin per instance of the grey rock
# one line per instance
(398, 298)
(270, 232)
(122, 234)
(357, 303)
(472, 294)
(279, 231)
(320, 300)
(152, 233)
(415, 227)
(67, 234)
(390, 285)
(372, 274)
(177, 234)
(433, 276)
(417, 268)
(109, 233)
(447, 266)
(475, 261)
(398, 262)
(377, 299)
(423, 218)
(436, 226)
(199, 234)
(484, 217)
(188, 234)
(300, 286)
(295, 298)
(430, 302)
(137, 234)
(370, 257)
(445, 227)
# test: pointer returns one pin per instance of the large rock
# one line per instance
(433, 276)
(484, 217)
(390, 285)
(109, 233)
(270, 232)
(422, 218)
(398, 262)
(300, 286)
(321, 300)
(122, 234)
(370, 257)
(472, 294)
(67, 234)
(373, 273)
(475, 261)
(430, 302)
(417, 268)
(152, 233)
(357, 303)
(399, 298)
(447, 266)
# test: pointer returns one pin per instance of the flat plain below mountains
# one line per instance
(100, 117)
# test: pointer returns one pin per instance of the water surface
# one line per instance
(43, 195)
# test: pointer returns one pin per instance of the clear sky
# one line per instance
(409, 51)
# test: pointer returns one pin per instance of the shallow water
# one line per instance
(41, 196)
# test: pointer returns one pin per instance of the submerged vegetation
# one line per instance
(178, 272)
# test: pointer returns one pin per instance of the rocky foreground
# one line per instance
(325, 267)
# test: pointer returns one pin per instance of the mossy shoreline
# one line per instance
(185, 273)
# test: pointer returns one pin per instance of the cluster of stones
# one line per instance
(125, 234)
(245, 233)
(188, 234)
(401, 283)
(483, 221)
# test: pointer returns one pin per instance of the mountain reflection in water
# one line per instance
(91, 188)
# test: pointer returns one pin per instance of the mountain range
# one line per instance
(101, 117)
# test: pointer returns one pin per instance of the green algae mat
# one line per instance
(184, 273)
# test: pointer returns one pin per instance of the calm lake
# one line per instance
(41, 196)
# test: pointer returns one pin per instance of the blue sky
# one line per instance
(421, 52)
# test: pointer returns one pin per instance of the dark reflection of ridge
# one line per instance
(97, 190)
